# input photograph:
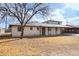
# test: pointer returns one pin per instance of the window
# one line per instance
(49, 29)
(56, 29)
(58, 23)
(72, 29)
(37, 28)
(69, 30)
(31, 28)
(19, 28)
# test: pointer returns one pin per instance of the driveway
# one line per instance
(71, 34)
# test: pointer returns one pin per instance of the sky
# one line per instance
(68, 13)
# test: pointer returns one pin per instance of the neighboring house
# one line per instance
(53, 22)
(71, 29)
(2, 30)
(36, 29)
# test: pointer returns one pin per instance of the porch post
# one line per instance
(40, 30)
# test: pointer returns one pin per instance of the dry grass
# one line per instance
(60, 45)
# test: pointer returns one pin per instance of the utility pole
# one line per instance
(6, 22)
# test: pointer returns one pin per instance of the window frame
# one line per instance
(56, 29)
(49, 28)
(37, 28)
(19, 28)
(31, 28)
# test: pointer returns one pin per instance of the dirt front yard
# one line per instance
(48, 46)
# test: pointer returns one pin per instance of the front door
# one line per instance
(43, 30)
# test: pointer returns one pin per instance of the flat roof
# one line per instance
(40, 24)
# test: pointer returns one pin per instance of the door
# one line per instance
(43, 30)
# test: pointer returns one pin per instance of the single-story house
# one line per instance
(71, 29)
(37, 29)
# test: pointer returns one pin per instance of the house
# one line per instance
(2, 31)
(71, 29)
(36, 29)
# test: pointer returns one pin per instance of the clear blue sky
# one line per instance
(62, 12)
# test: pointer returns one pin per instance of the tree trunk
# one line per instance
(22, 31)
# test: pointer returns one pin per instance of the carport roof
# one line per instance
(73, 26)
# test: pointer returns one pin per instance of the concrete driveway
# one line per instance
(71, 34)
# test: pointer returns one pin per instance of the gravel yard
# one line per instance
(42, 46)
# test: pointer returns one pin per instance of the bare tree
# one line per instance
(23, 12)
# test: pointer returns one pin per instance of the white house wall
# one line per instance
(27, 32)
(59, 31)
(2, 31)
(46, 31)
(15, 32)
(34, 31)
(53, 31)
